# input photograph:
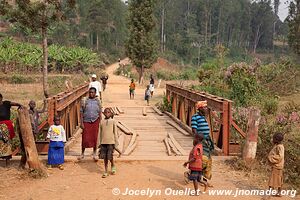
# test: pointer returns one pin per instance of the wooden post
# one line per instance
(192, 111)
(168, 96)
(27, 136)
(249, 151)
(182, 111)
(174, 105)
(50, 111)
(226, 128)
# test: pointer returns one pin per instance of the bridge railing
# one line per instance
(67, 106)
(220, 110)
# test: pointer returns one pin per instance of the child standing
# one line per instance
(57, 137)
(147, 94)
(34, 115)
(195, 163)
(131, 89)
(108, 141)
(276, 159)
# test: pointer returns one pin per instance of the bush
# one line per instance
(165, 105)
(281, 78)
(19, 79)
(270, 106)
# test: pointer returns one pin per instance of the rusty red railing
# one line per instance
(67, 106)
(183, 107)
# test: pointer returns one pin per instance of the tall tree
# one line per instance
(141, 47)
(294, 26)
(37, 16)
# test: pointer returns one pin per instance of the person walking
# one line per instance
(151, 85)
(97, 85)
(200, 126)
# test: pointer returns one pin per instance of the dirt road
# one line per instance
(82, 181)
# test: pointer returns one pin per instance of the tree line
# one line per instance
(189, 30)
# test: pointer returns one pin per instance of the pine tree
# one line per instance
(141, 47)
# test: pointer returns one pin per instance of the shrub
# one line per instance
(270, 106)
(19, 79)
(165, 105)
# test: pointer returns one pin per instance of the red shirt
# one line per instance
(196, 153)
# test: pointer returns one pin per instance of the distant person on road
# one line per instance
(147, 94)
(108, 141)
(7, 132)
(104, 81)
(90, 114)
(34, 115)
(151, 85)
(57, 137)
(195, 163)
(132, 89)
(200, 126)
(97, 85)
(276, 160)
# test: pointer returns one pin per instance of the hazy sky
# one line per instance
(283, 10)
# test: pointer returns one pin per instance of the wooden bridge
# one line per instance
(144, 132)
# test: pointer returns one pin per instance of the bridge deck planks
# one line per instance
(151, 129)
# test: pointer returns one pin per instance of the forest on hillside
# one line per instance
(185, 31)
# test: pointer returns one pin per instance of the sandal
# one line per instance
(105, 174)
(61, 167)
(113, 170)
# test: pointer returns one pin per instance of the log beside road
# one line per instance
(28, 140)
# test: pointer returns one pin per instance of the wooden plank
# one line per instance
(182, 125)
(157, 111)
(130, 149)
(173, 124)
(173, 147)
(144, 111)
(121, 142)
(123, 129)
(120, 110)
(132, 139)
(177, 145)
(127, 127)
(168, 147)
(115, 110)
(242, 133)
